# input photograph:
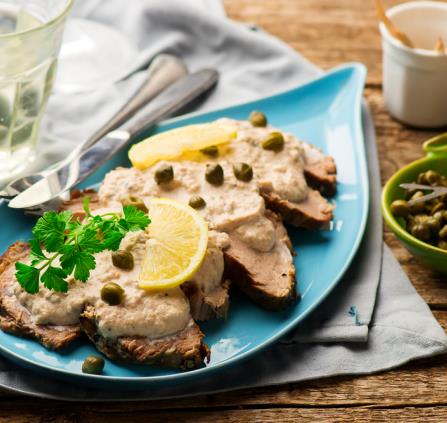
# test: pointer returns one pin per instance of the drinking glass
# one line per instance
(30, 39)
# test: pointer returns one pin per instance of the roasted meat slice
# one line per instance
(184, 350)
(320, 170)
(15, 318)
(267, 278)
(312, 213)
(209, 305)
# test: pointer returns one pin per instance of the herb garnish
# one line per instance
(74, 242)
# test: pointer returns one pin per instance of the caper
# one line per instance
(93, 365)
(439, 216)
(400, 208)
(443, 233)
(197, 202)
(211, 151)
(214, 174)
(437, 207)
(122, 259)
(112, 293)
(442, 244)
(421, 179)
(409, 193)
(258, 119)
(419, 218)
(418, 207)
(432, 177)
(274, 142)
(410, 223)
(164, 174)
(421, 231)
(434, 225)
(136, 202)
(243, 172)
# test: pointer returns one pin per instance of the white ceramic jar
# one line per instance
(415, 79)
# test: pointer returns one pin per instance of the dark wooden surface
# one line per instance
(327, 32)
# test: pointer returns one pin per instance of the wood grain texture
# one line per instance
(328, 33)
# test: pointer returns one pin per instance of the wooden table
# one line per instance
(327, 32)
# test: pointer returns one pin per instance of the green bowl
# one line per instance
(435, 159)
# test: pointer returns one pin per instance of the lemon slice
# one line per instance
(172, 144)
(178, 238)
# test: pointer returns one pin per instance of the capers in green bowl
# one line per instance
(93, 365)
(430, 170)
(112, 294)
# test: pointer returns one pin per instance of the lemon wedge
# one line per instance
(170, 145)
(178, 238)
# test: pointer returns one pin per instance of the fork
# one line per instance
(162, 72)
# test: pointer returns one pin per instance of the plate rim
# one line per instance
(356, 68)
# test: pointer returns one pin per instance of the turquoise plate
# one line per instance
(325, 112)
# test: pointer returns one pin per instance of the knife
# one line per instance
(75, 170)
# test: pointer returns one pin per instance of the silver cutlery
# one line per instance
(50, 191)
(162, 72)
(436, 192)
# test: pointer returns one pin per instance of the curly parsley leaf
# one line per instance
(74, 244)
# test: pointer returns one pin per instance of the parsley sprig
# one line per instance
(74, 242)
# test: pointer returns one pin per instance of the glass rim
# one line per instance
(54, 21)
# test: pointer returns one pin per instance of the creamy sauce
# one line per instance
(281, 172)
(209, 275)
(234, 204)
(142, 313)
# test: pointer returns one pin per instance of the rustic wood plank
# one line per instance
(409, 415)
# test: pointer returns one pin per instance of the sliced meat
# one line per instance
(267, 278)
(312, 213)
(16, 319)
(184, 350)
(320, 170)
(210, 305)
(204, 306)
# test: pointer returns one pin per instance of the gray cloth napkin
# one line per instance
(352, 332)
